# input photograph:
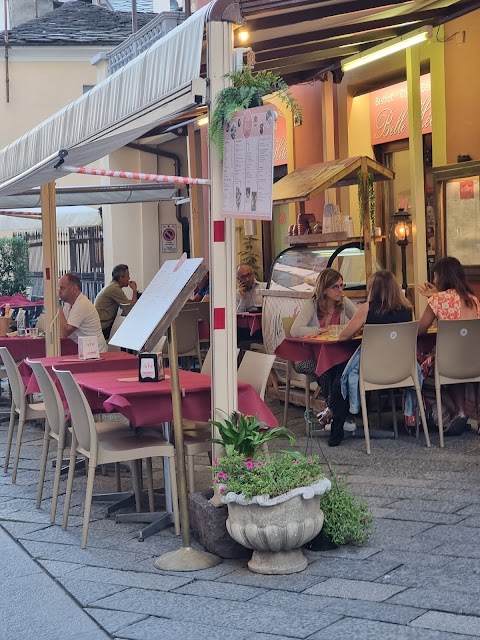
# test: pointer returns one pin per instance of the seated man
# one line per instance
(78, 317)
(111, 297)
(248, 299)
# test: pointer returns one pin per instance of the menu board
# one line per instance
(248, 164)
(159, 304)
(462, 220)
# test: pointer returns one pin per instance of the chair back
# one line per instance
(187, 332)
(255, 369)
(389, 354)
(51, 398)
(207, 363)
(14, 377)
(287, 325)
(457, 353)
(116, 323)
(41, 323)
(83, 423)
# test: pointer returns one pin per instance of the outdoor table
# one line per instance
(147, 403)
(327, 350)
(18, 300)
(21, 348)
(252, 321)
(109, 361)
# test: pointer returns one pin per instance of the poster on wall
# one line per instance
(462, 220)
(248, 164)
(169, 238)
(389, 111)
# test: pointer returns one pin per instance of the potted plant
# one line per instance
(273, 507)
(242, 435)
(347, 519)
(247, 90)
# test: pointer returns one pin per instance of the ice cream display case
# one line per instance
(292, 280)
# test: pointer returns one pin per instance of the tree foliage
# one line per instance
(14, 271)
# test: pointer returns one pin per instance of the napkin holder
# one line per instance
(150, 367)
(88, 348)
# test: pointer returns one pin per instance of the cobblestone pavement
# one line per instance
(417, 578)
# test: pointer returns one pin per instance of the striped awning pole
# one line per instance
(133, 175)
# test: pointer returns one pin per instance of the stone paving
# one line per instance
(417, 578)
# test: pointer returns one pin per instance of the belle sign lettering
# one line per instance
(389, 111)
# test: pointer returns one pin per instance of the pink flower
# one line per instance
(250, 465)
(215, 462)
(310, 461)
(215, 482)
(259, 463)
(222, 475)
(297, 461)
(222, 490)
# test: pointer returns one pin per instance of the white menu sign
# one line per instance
(248, 164)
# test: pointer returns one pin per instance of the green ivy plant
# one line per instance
(243, 435)
(370, 196)
(347, 518)
(274, 476)
(14, 272)
(247, 89)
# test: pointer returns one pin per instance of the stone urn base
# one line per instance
(277, 562)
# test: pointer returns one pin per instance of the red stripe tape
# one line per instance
(219, 231)
(219, 318)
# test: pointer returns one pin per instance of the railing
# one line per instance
(143, 39)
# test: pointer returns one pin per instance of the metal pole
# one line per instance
(403, 248)
(186, 558)
(134, 17)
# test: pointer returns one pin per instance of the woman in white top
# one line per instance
(326, 307)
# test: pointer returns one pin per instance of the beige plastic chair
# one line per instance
(116, 323)
(188, 343)
(294, 379)
(41, 323)
(26, 411)
(255, 369)
(457, 358)
(388, 360)
(104, 447)
(204, 316)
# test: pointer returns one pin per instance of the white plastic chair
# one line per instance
(255, 369)
(294, 379)
(388, 360)
(116, 323)
(457, 358)
(26, 411)
(107, 447)
(188, 343)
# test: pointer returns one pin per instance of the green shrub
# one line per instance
(14, 272)
(347, 518)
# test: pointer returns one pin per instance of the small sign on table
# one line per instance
(88, 348)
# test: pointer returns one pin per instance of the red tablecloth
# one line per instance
(107, 362)
(18, 300)
(327, 354)
(21, 348)
(252, 321)
(146, 403)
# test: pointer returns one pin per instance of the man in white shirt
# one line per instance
(78, 316)
(248, 296)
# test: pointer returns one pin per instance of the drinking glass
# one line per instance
(335, 330)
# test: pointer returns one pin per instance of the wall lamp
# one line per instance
(387, 48)
(401, 229)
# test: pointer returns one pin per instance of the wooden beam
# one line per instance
(50, 269)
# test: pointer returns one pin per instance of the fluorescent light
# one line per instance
(386, 49)
(202, 121)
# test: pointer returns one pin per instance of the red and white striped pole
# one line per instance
(133, 175)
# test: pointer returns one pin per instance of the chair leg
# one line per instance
(18, 445)
(173, 482)
(363, 402)
(394, 413)
(43, 465)
(190, 460)
(438, 394)
(118, 478)
(9, 437)
(151, 498)
(287, 397)
(56, 485)
(423, 416)
(71, 473)
(136, 485)
(307, 403)
(88, 504)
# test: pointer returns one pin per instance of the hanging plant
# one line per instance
(247, 90)
(371, 200)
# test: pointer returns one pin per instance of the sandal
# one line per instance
(325, 417)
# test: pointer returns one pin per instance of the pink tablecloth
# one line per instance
(107, 362)
(327, 354)
(18, 300)
(252, 321)
(146, 403)
(21, 348)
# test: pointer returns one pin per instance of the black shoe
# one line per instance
(334, 441)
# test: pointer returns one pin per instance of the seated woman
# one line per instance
(450, 298)
(386, 304)
(327, 306)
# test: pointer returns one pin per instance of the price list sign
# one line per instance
(248, 164)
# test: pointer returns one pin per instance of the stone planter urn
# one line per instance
(276, 528)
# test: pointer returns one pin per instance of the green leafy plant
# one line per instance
(14, 272)
(371, 199)
(243, 435)
(248, 253)
(247, 90)
(347, 518)
(274, 476)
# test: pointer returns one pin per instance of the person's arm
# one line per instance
(65, 329)
(300, 326)
(356, 323)
(133, 286)
(426, 320)
(122, 301)
(427, 289)
(241, 299)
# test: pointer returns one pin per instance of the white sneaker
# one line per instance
(349, 425)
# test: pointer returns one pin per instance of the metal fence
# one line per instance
(80, 250)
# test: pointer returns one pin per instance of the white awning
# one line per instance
(162, 81)
(26, 219)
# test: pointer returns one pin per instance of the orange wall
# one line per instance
(308, 143)
(462, 87)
